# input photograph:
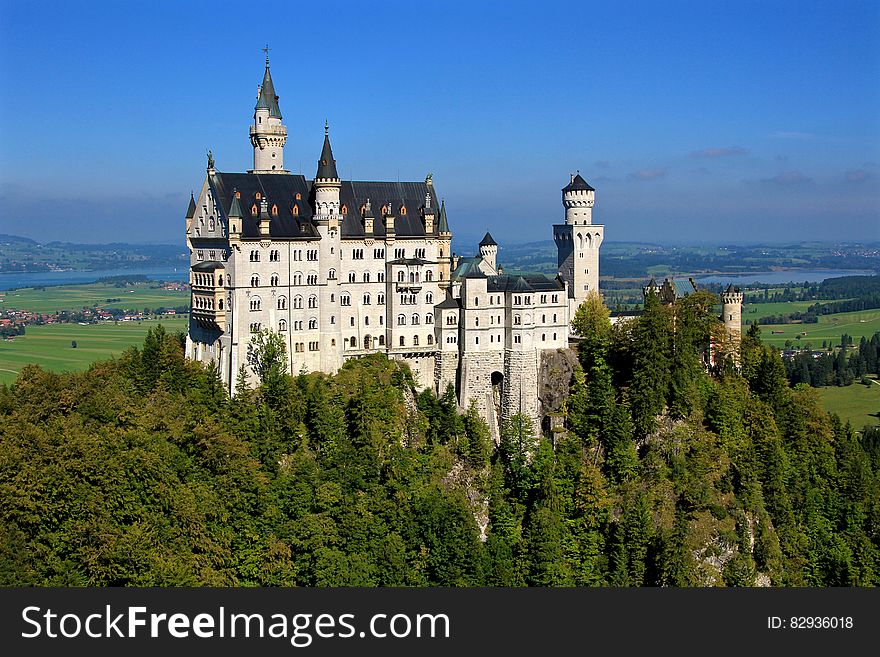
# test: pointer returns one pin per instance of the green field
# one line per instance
(50, 345)
(753, 311)
(856, 403)
(830, 327)
(76, 297)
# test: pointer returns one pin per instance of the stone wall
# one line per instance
(521, 385)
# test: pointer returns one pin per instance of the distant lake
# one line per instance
(9, 281)
(784, 276)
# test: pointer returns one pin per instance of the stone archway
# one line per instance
(497, 380)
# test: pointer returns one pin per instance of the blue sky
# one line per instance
(695, 121)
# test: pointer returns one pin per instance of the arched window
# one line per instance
(380, 299)
(313, 324)
(313, 301)
(366, 277)
(415, 341)
(403, 210)
(282, 325)
(381, 340)
(429, 318)
(429, 275)
(255, 281)
(352, 277)
(415, 319)
(345, 299)
(255, 303)
(295, 210)
(297, 301)
(344, 209)
(274, 210)
(297, 278)
(430, 339)
(402, 341)
(221, 304)
(331, 274)
(400, 276)
(273, 280)
(282, 303)
(401, 320)
(366, 299)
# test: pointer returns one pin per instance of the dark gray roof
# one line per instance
(488, 241)
(475, 272)
(450, 302)
(523, 283)
(578, 183)
(281, 189)
(268, 99)
(208, 265)
(464, 267)
(411, 261)
(235, 207)
(731, 290)
(327, 165)
(191, 210)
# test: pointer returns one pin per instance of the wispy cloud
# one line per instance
(792, 134)
(788, 179)
(648, 174)
(858, 176)
(725, 151)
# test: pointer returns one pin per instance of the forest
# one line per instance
(144, 471)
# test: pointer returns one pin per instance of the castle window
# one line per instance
(380, 277)
(312, 254)
(366, 299)
(543, 319)
(295, 210)
(297, 278)
(312, 279)
(297, 302)
(400, 277)
(381, 320)
(366, 321)
(298, 196)
(255, 281)
(351, 321)
(366, 277)
(381, 340)
(255, 303)
(200, 254)
(554, 336)
(333, 319)
(429, 318)
(415, 319)
(430, 339)
(402, 209)
(517, 319)
(254, 210)
(351, 277)
(517, 339)
(313, 346)
(543, 337)
(274, 208)
(273, 280)
(429, 275)
(402, 341)
(298, 254)
(477, 340)
(380, 299)
(345, 299)
(313, 301)
(401, 320)
(554, 319)
(429, 297)
(211, 224)
(331, 275)
(528, 300)
(476, 321)
(344, 209)
(378, 253)
(282, 303)
(476, 301)
(282, 325)
(543, 298)
(399, 253)
(255, 327)
(221, 304)
(313, 324)
(415, 341)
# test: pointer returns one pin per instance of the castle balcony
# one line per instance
(209, 318)
(412, 288)
(269, 130)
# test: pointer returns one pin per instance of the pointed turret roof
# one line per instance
(443, 225)
(268, 100)
(327, 165)
(578, 183)
(731, 290)
(488, 241)
(235, 206)
(191, 210)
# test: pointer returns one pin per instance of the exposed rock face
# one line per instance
(554, 379)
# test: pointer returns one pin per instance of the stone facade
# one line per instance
(342, 269)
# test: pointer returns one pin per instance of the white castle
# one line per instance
(342, 269)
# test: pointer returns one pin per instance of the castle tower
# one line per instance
(445, 255)
(489, 251)
(326, 196)
(578, 241)
(268, 134)
(731, 314)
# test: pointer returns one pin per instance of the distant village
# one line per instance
(13, 322)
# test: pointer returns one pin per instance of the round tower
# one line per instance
(731, 309)
(578, 198)
(327, 182)
(268, 134)
(489, 251)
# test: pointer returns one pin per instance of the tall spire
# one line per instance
(327, 165)
(443, 225)
(268, 100)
